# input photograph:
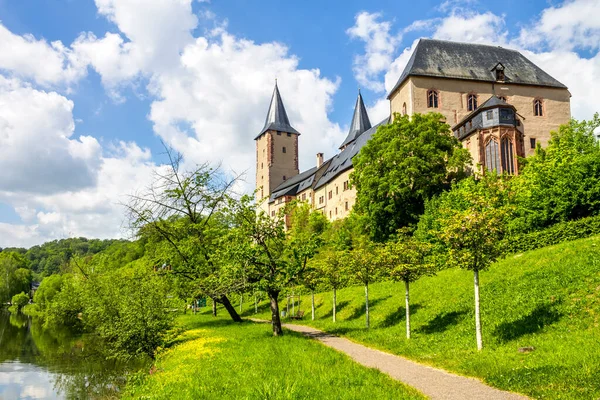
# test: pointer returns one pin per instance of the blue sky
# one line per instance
(89, 88)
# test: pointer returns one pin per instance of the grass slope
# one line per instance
(218, 359)
(547, 298)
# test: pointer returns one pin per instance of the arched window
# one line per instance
(472, 102)
(492, 156)
(404, 109)
(432, 98)
(508, 165)
(538, 108)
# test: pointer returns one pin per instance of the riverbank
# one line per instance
(215, 358)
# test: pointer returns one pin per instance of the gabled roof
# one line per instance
(290, 186)
(445, 59)
(277, 119)
(360, 121)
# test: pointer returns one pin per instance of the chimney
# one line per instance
(319, 160)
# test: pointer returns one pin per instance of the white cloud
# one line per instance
(45, 63)
(380, 46)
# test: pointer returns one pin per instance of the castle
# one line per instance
(499, 104)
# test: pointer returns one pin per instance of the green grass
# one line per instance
(218, 359)
(547, 298)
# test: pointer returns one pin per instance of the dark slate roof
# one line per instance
(277, 119)
(343, 161)
(360, 121)
(291, 186)
(441, 58)
(492, 102)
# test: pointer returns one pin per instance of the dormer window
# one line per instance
(503, 98)
(432, 98)
(499, 70)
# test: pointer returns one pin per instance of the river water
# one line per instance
(37, 363)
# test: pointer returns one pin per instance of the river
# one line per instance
(37, 363)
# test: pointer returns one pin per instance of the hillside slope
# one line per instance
(548, 299)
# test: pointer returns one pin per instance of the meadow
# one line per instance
(547, 299)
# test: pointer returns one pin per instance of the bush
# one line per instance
(558, 233)
(20, 300)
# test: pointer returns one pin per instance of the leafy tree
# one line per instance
(20, 300)
(363, 268)
(180, 215)
(472, 221)
(259, 242)
(561, 182)
(404, 164)
(406, 260)
(15, 277)
(333, 268)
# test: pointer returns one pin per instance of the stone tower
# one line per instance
(276, 151)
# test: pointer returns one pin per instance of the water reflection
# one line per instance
(37, 363)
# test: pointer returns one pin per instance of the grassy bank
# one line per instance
(218, 359)
(548, 299)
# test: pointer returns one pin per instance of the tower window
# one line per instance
(492, 159)
(289, 135)
(507, 156)
(404, 109)
(538, 108)
(346, 206)
(432, 98)
(284, 149)
(284, 178)
(532, 142)
(489, 115)
(472, 102)
(278, 133)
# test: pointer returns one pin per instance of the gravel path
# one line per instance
(434, 383)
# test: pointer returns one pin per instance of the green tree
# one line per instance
(472, 222)
(19, 301)
(561, 182)
(15, 277)
(363, 268)
(404, 164)
(406, 259)
(333, 269)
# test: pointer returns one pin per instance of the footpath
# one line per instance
(432, 382)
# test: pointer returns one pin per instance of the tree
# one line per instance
(19, 301)
(561, 182)
(259, 241)
(472, 221)
(180, 214)
(15, 277)
(404, 164)
(363, 268)
(333, 268)
(406, 260)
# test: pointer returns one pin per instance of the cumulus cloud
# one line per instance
(45, 63)
(380, 46)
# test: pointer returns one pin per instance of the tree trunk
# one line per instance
(407, 301)
(312, 299)
(367, 303)
(230, 309)
(334, 303)
(477, 316)
(287, 308)
(275, 320)
(214, 307)
(293, 305)
(241, 301)
(255, 305)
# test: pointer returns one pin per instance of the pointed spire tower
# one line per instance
(360, 122)
(276, 151)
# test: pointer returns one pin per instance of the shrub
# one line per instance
(558, 233)
(20, 300)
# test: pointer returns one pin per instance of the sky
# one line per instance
(90, 90)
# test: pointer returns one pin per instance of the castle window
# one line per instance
(336, 190)
(492, 159)
(329, 213)
(507, 156)
(303, 196)
(284, 149)
(499, 73)
(346, 185)
(336, 211)
(404, 109)
(320, 199)
(289, 134)
(538, 108)
(489, 115)
(346, 206)
(432, 98)
(261, 166)
(284, 178)
(278, 133)
(273, 213)
(503, 98)
(330, 194)
(532, 142)
(472, 102)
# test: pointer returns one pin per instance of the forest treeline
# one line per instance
(421, 206)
